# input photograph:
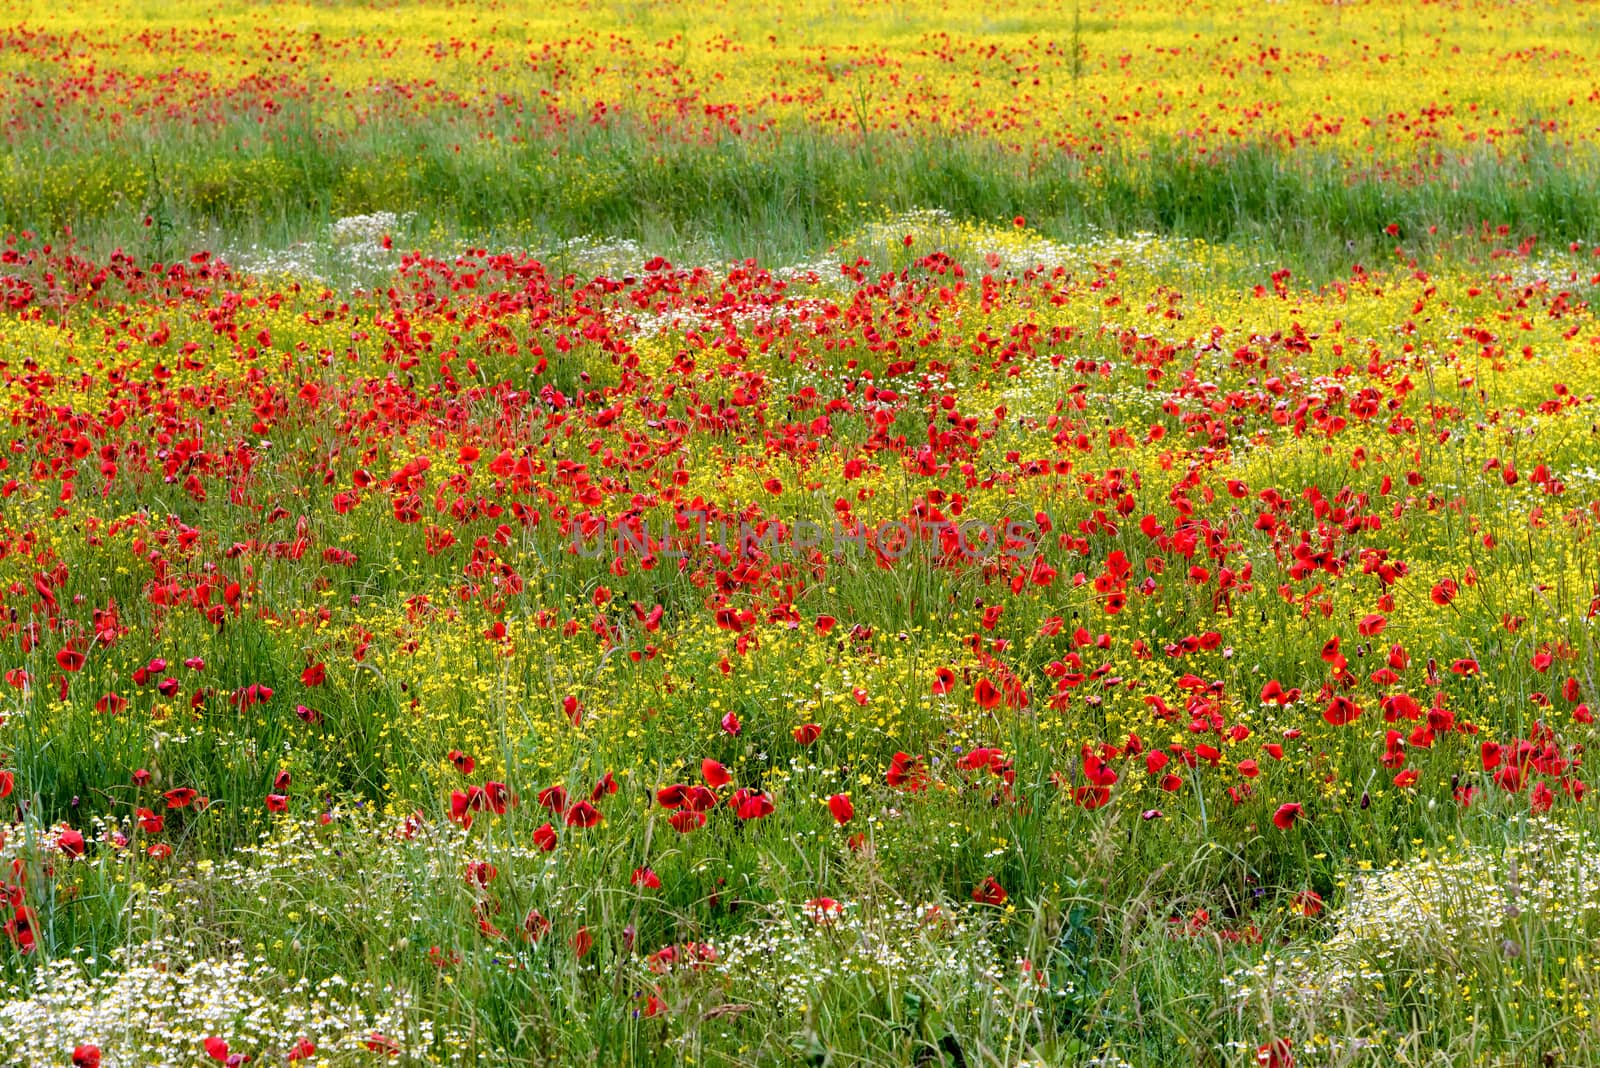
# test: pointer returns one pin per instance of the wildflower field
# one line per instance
(846, 532)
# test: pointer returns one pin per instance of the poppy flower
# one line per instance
(553, 798)
(277, 803)
(824, 624)
(753, 805)
(985, 693)
(70, 842)
(605, 787)
(823, 910)
(714, 773)
(315, 675)
(646, 878)
(807, 733)
(1287, 814)
(841, 807)
(380, 1043)
(302, 1050)
(535, 926)
(1407, 778)
(989, 892)
(1306, 903)
(582, 942)
(943, 680)
(583, 814)
(906, 771)
(545, 838)
(216, 1048)
(8, 783)
(685, 820)
(70, 659)
(730, 724)
(182, 797)
(1279, 1053)
(86, 1057)
(1341, 710)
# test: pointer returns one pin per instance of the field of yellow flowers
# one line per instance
(836, 533)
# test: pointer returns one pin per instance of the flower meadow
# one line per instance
(831, 534)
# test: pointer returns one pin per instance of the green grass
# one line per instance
(772, 197)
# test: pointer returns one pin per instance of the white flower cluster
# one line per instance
(804, 948)
(1431, 909)
(154, 1008)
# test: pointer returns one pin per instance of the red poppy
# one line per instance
(1278, 1053)
(86, 1057)
(943, 680)
(535, 926)
(1340, 711)
(181, 797)
(277, 803)
(303, 1050)
(1287, 814)
(646, 878)
(906, 771)
(554, 798)
(751, 804)
(315, 675)
(985, 693)
(989, 892)
(70, 842)
(685, 820)
(730, 724)
(545, 837)
(380, 1043)
(714, 773)
(843, 811)
(807, 733)
(583, 814)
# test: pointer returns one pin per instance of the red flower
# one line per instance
(1341, 710)
(70, 842)
(554, 798)
(1279, 1053)
(379, 1043)
(302, 1050)
(315, 675)
(464, 764)
(583, 814)
(714, 773)
(989, 892)
(277, 803)
(1444, 592)
(85, 1057)
(751, 804)
(807, 733)
(545, 838)
(943, 680)
(843, 811)
(582, 942)
(985, 694)
(535, 926)
(907, 771)
(730, 723)
(824, 624)
(182, 797)
(1286, 815)
(646, 878)
(216, 1049)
